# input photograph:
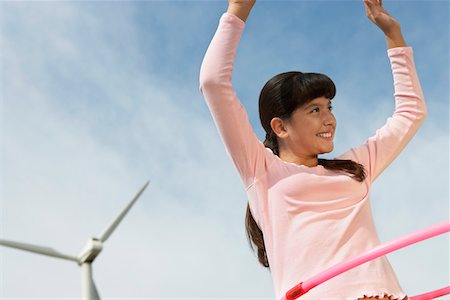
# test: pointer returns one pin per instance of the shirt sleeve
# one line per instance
(410, 111)
(229, 115)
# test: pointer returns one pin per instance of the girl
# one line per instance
(306, 213)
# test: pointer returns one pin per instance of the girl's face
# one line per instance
(306, 123)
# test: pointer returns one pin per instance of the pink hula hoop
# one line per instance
(415, 237)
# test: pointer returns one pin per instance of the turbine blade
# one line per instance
(37, 249)
(105, 235)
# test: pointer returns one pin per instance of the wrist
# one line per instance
(395, 39)
(393, 31)
(240, 11)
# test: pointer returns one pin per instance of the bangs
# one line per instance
(311, 86)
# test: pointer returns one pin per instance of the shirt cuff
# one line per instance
(232, 19)
(399, 50)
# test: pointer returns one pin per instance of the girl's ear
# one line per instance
(279, 127)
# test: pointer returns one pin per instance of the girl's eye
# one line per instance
(329, 107)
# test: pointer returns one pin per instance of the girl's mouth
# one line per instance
(326, 136)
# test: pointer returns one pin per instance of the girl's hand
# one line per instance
(240, 8)
(248, 3)
(380, 17)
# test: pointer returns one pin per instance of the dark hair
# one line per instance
(280, 96)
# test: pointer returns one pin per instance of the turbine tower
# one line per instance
(87, 256)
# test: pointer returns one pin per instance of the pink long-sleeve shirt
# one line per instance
(311, 217)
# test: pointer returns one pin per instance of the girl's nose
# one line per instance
(329, 119)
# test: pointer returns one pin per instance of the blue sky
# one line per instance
(99, 97)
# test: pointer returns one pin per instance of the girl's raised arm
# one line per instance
(230, 117)
(410, 108)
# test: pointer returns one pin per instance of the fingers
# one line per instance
(372, 3)
(370, 8)
(373, 7)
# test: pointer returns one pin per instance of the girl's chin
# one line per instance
(327, 150)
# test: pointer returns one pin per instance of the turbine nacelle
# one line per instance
(90, 251)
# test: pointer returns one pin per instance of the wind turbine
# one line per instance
(87, 256)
